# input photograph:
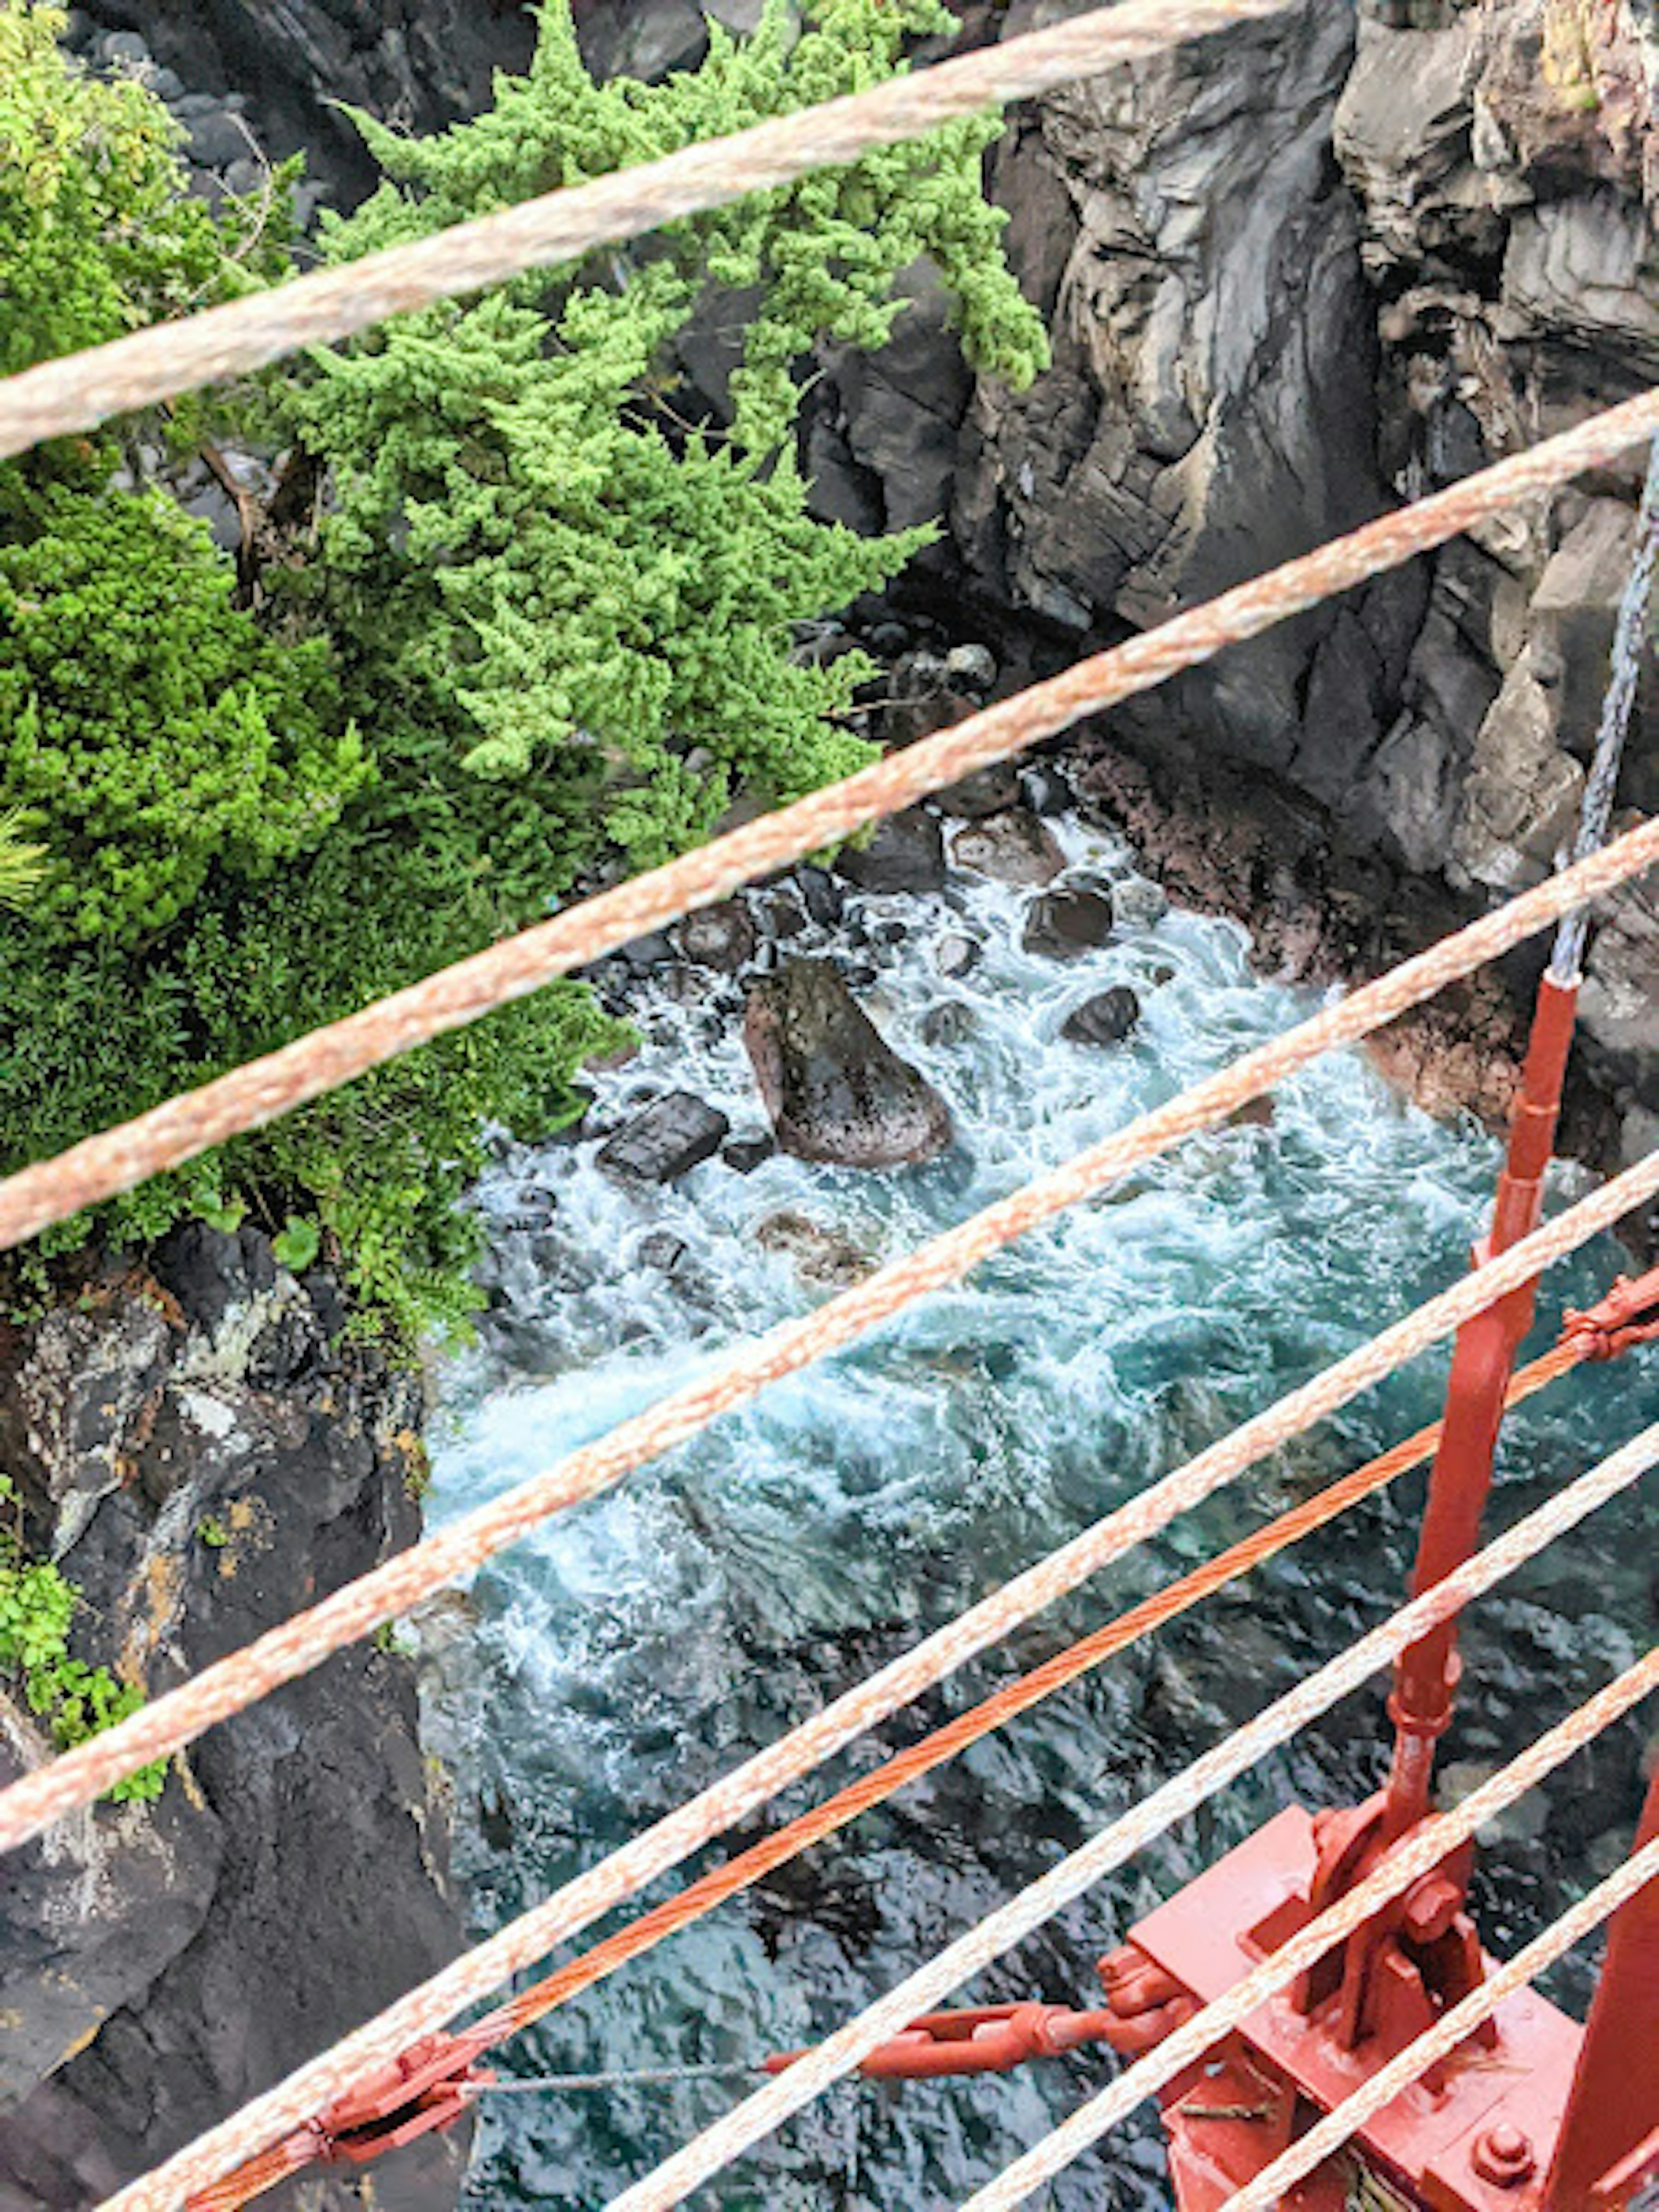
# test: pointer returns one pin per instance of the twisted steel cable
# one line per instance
(759, 2114)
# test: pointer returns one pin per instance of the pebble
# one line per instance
(661, 1250)
(951, 1022)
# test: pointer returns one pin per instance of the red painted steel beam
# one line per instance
(1613, 2109)
(1426, 1676)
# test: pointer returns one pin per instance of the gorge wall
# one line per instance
(203, 1451)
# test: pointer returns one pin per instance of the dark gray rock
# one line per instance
(1065, 924)
(721, 937)
(748, 1151)
(160, 1965)
(957, 955)
(124, 50)
(662, 1250)
(1105, 1019)
(834, 1090)
(671, 1136)
(1011, 847)
(218, 141)
(1045, 789)
(906, 854)
(822, 896)
(950, 1022)
(987, 791)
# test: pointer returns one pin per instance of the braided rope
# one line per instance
(176, 1131)
(80, 390)
(308, 1638)
(724, 1882)
(759, 2114)
(1425, 1851)
(313, 2087)
(1440, 2041)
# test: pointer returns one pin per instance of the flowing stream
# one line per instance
(629, 1652)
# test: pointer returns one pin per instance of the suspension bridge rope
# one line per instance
(1439, 2042)
(78, 390)
(759, 2114)
(313, 2087)
(1618, 703)
(167, 1135)
(724, 1882)
(304, 1641)
(1424, 1851)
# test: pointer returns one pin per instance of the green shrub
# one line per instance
(76, 1701)
(149, 731)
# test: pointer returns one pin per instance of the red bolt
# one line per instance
(1503, 2155)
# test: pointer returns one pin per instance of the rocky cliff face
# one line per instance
(203, 1451)
(1291, 274)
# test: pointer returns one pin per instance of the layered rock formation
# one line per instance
(203, 1452)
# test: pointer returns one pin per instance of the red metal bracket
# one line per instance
(1616, 1323)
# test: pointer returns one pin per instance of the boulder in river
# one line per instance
(671, 1136)
(1105, 1019)
(1011, 847)
(722, 937)
(1064, 925)
(906, 854)
(835, 1091)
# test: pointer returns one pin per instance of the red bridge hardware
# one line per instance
(991, 2040)
(1481, 2131)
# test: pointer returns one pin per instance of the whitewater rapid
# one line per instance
(627, 1653)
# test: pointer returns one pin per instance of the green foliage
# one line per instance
(560, 618)
(96, 235)
(211, 1531)
(76, 1701)
(149, 731)
(566, 585)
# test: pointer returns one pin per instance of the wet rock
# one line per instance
(987, 791)
(748, 1151)
(1066, 924)
(667, 1141)
(124, 50)
(973, 667)
(218, 140)
(950, 1022)
(820, 1254)
(720, 937)
(1011, 847)
(1045, 789)
(1254, 1114)
(1137, 904)
(835, 1091)
(662, 1250)
(906, 854)
(655, 950)
(957, 955)
(822, 897)
(1106, 1020)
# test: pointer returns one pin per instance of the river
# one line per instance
(631, 1651)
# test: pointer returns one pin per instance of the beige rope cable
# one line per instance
(303, 1641)
(1440, 2041)
(168, 1134)
(1425, 1851)
(922, 1991)
(313, 2087)
(79, 390)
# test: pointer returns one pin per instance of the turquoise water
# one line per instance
(629, 1652)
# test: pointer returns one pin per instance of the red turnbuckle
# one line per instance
(990, 2041)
